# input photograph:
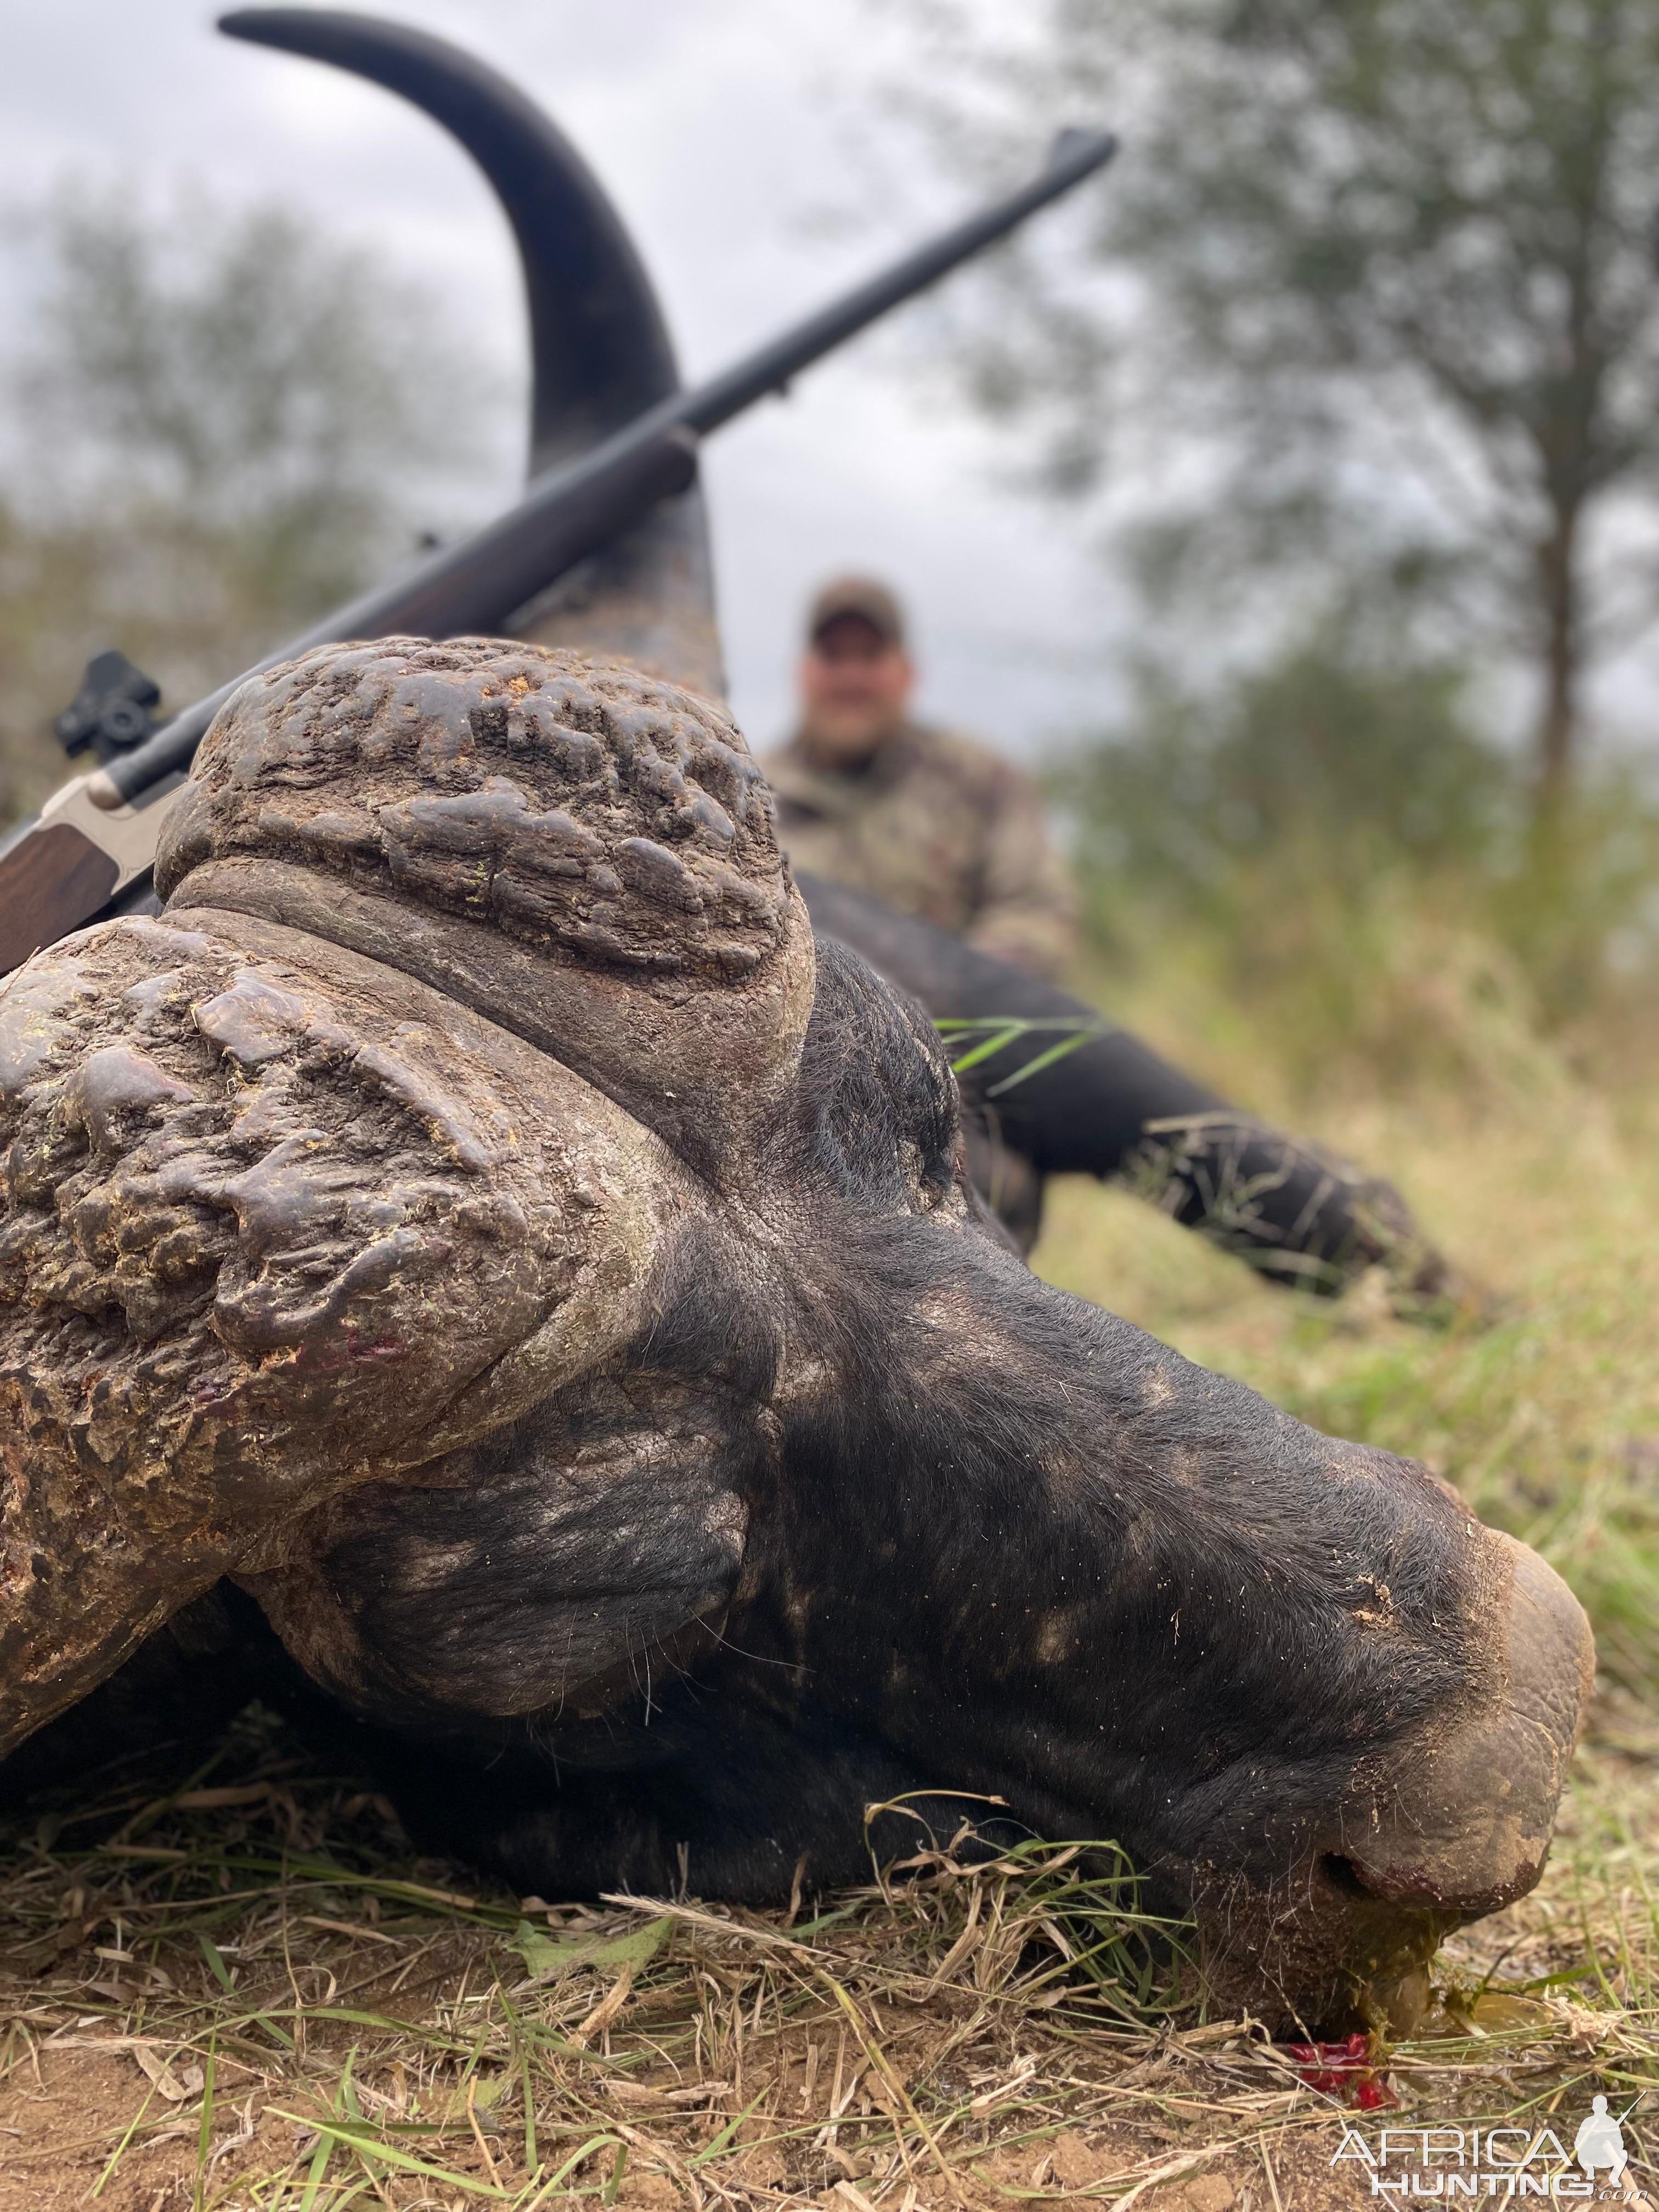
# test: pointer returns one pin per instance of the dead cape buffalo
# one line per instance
(476, 1222)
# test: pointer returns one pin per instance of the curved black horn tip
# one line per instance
(254, 22)
(240, 22)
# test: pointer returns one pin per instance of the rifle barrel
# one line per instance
(474, 585)
(1075, 155)
(478, 583)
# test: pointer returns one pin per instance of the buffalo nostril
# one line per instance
(1342, 1876)
(1452, 1821)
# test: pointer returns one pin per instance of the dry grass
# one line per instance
(252, 1995)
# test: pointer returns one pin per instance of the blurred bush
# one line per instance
(214, 424)
(1329, 860)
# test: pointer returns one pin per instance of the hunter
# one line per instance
(930, 822)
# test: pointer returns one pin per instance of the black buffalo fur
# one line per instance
(885, 1516)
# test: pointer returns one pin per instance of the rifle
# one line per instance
(95, 840)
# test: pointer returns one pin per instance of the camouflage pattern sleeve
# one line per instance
(1028, 913)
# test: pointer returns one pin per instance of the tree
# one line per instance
(1335, 761)
(1328, 854)
(1394, 280)
(219, 424)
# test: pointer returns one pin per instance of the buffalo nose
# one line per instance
(1460, 1822)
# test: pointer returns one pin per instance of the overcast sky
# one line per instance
(720, 127)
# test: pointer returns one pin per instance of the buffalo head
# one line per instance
(475, 1218)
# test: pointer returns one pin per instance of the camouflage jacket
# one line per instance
(936, 826)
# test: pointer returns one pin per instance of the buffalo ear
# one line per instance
(277, 1219)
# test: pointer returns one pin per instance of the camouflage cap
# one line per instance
(863, 596)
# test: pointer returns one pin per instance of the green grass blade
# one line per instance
(1059, 1051)
(115, 2156)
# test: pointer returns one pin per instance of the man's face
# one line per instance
(855, 685)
